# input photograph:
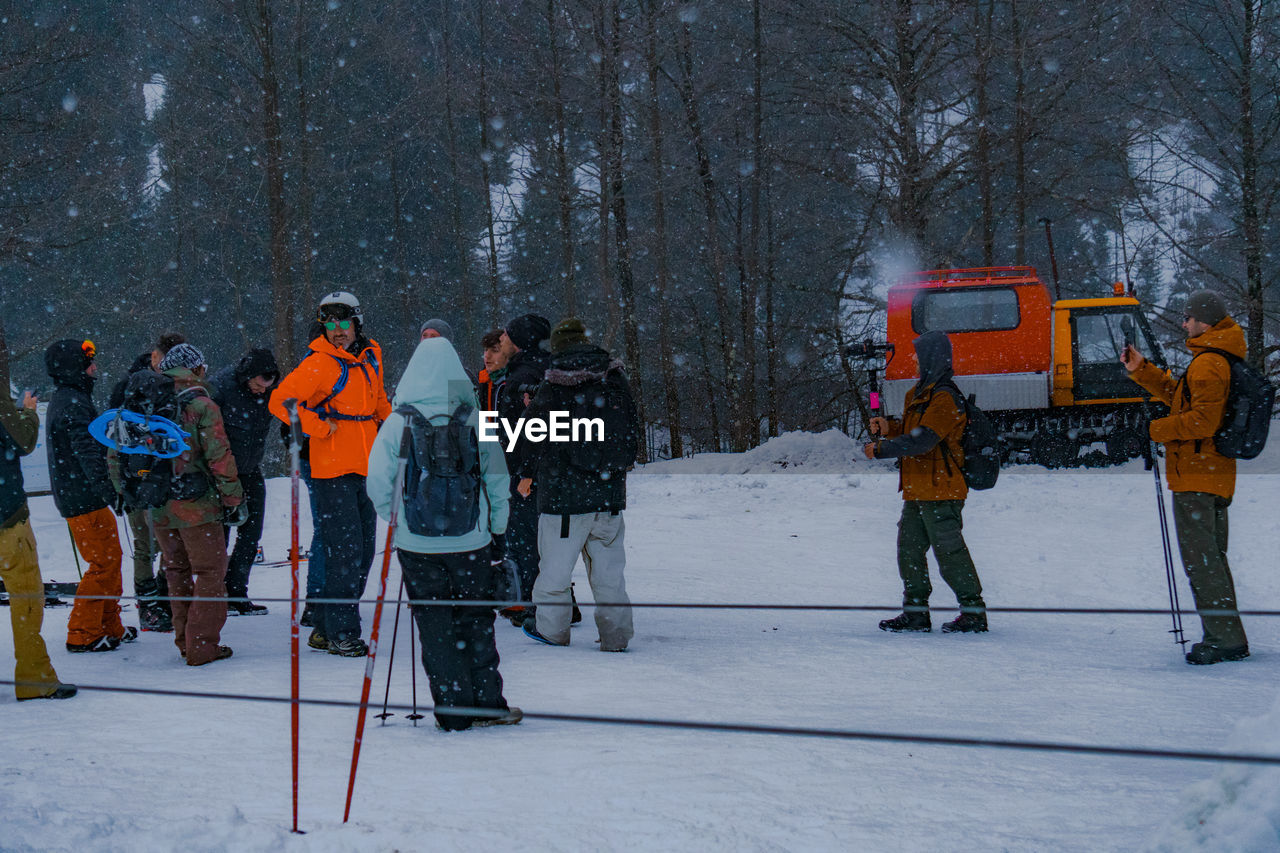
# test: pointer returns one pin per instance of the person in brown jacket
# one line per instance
(1202, 480)
(926, 441)
(189, 527)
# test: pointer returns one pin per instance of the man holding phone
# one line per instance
(1201, 479)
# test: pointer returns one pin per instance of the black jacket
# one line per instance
(564, 489)
(525, 371)
(116, 400)
(77, 462)
(244, 414)
(19, 433)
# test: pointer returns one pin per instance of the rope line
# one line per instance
(745, 728)
(689, 605)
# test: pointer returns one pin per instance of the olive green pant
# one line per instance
(937, 525)
(1201, 521)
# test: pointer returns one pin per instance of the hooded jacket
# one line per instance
(564, 489)
(77, 462)
(361, 406)
(116, 400)
(1196, 403)
(927, 438)
(19, 433)
(525, 372)
(435, 383)
(245, 415)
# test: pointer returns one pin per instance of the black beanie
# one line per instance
(569, 332)
(258, 361)
(66, 362)
(528, 330)
(1205, 306)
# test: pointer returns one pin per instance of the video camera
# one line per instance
(868, 350)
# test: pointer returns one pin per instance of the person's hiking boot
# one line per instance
(130, 634)
(317, 640)
(223, 653)
(916, 620)
(62, 691)
(102, 644)
(353, 647)
(515, 614)
(245, 608)
(510, 717)
(154, 616)
(1207, 653)
(966, 623)
(530, 628)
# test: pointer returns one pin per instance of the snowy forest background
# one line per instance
(723, 190)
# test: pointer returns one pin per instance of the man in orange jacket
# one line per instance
(1202, 480)
(341, 404)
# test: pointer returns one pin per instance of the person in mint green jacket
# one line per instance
(457, 562)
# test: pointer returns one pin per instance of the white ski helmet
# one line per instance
(341, 297)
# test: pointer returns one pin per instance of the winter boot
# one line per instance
(1207, 653)
(353, 647)
(62, 691)
(510, 717)
(245, 608)
(223, 653)
(915, 620)
(967, 623)
(102, 644)
(530, 628)
(317, 640)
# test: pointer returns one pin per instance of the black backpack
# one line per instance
(981, 442)
(1246, 420)
(147, 481)
(609, 402)
(442, 481)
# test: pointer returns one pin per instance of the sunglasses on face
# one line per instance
(89, 349)
(337, 324)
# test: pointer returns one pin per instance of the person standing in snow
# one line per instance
(926, 441)
(84, 496)
(495, 368)
(207, 495)
(241, 390)
(582, 490)
(33, 672)
(458, 648)
(150, 585)
(1202, 480)
(341, 404)
(526, 361)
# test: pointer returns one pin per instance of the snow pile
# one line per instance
(1238, 810)
(830, 452)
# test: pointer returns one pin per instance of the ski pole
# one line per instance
(391, 660)
(1171, 576)
(295, 464)
(413, 677)
(396, 496)
(74, 552)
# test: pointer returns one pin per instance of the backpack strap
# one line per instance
(958, 397)
(322, 409)
(1186, 385)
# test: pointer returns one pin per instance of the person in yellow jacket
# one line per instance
(1202, 480)
(341, 404)
(926, 441)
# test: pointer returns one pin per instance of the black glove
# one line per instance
(234, 516)
(497, 548)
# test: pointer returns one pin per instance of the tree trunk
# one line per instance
(1021, 135)
(984, 12)
(304, 169)
(564, 187)
(486, 155)
(666, 356)
(1250, 221)
(461, 257)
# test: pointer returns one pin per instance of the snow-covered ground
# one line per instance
(112, 771)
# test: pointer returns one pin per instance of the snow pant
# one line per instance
(98, 540)
(458, 648)
(937, 525)
(21, 575)
(349, 527)
(147, 583)
(522, 537)
(1201, 521)
(240, 563)
(195, 559)
(315, 560)
(598, 537)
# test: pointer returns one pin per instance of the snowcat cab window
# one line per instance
(965, 309)
(1098, 336)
